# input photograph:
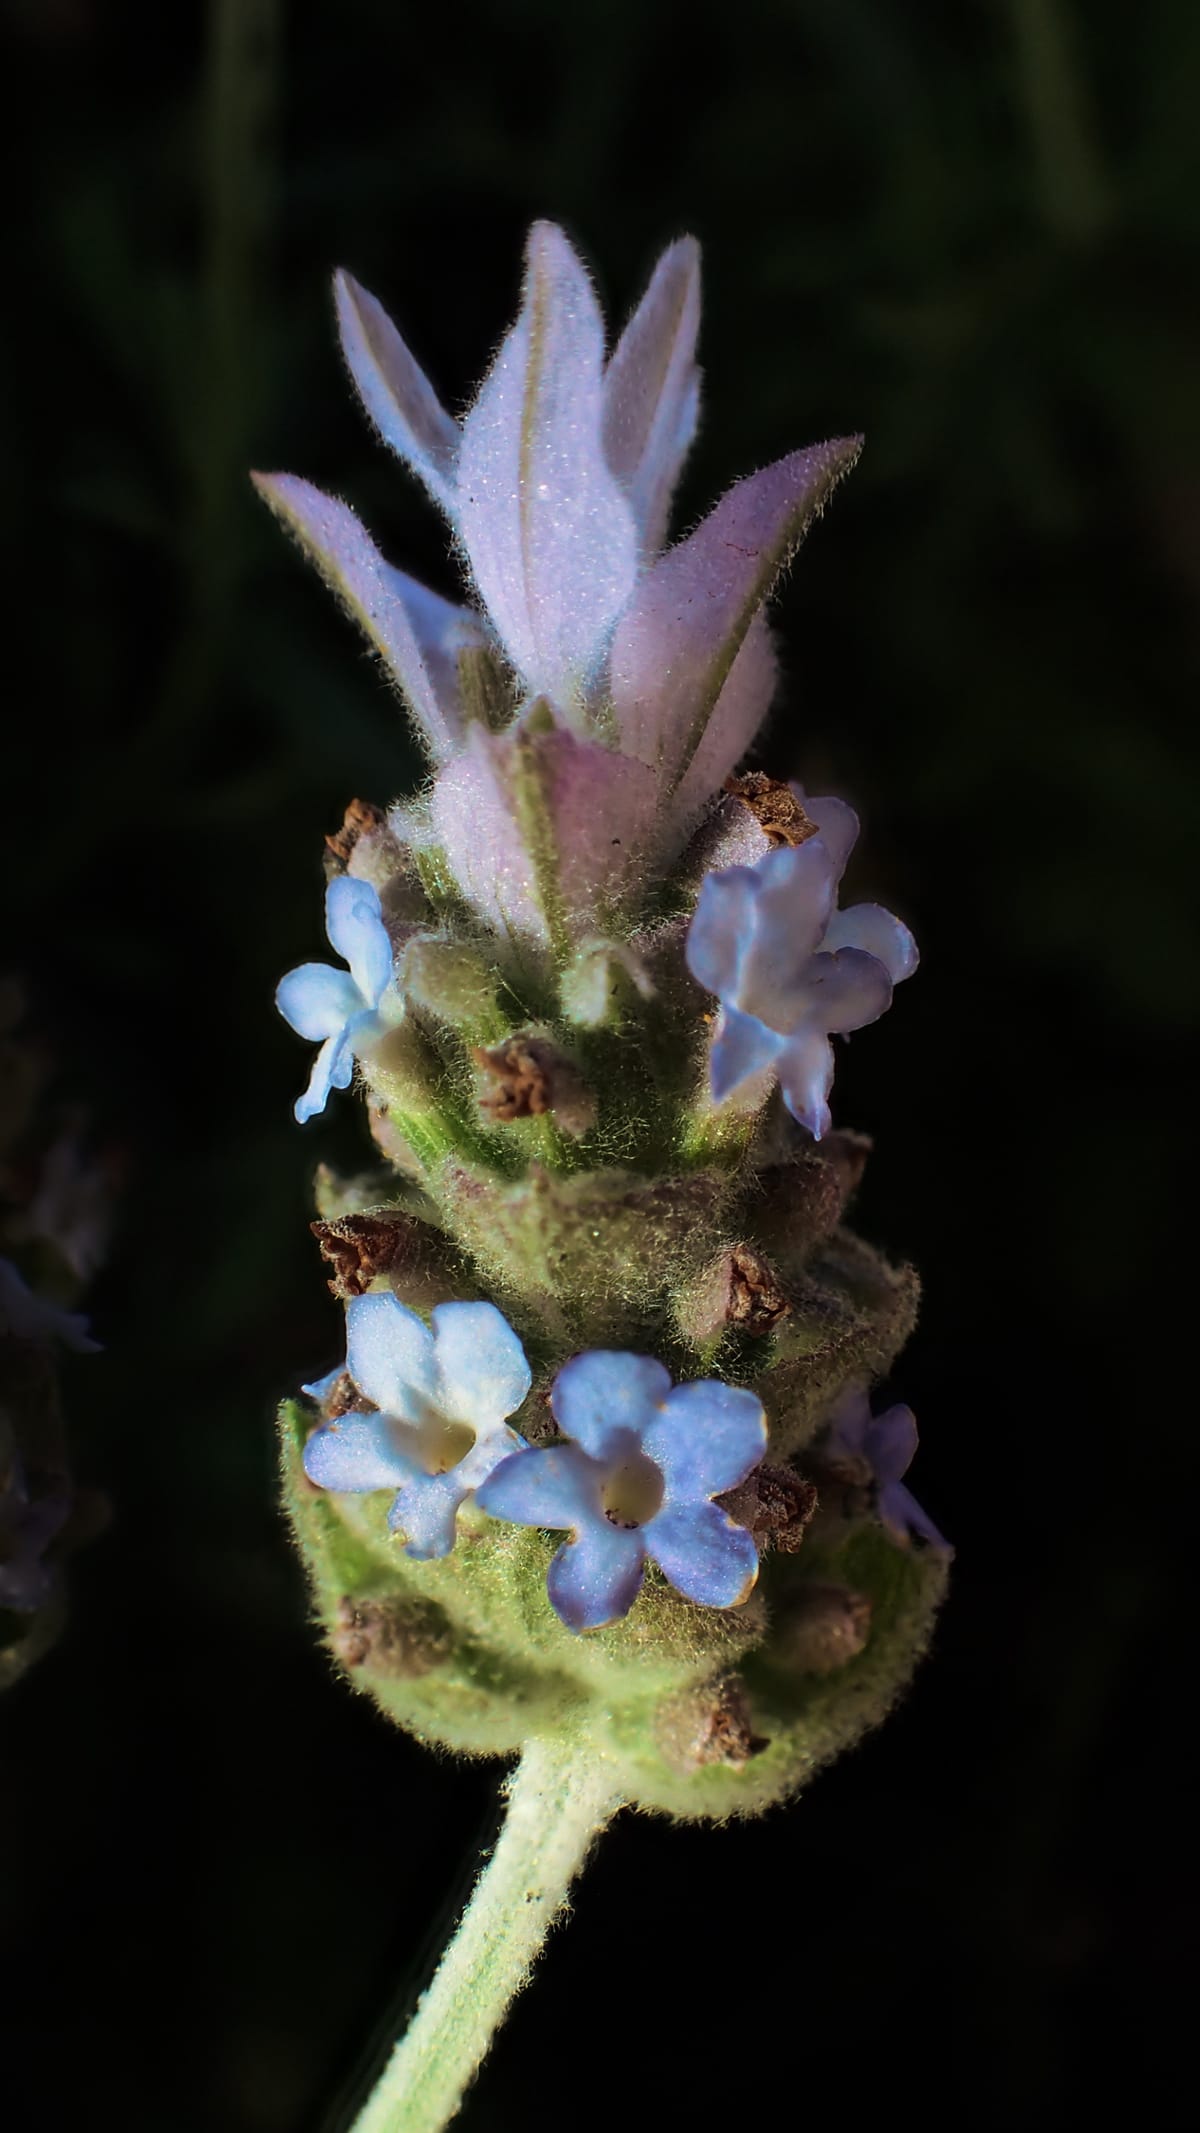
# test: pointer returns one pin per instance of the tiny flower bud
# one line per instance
(707, 1723)
(820, 1628)
(402, 1638)
(451, 980)
(601, 983)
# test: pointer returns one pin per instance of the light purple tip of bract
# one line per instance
(395, 391)
(549, 533)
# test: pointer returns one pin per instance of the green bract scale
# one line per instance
(600, 1469)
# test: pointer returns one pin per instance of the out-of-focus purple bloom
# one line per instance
(637, 1481)
(651, 671)
(789, 968)
(442, 1396)
(27, 1526)
(876, 1451)
(29, 1317)
(340, 1008)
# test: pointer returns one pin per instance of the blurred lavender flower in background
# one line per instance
(875, 1451)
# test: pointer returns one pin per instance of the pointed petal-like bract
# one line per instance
(550, 536)
(676, 643)
(652, 390)
(376, 596)
(736, 717)
(395, 391)
(538, 826)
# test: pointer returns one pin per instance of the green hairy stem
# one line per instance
(557, 1802)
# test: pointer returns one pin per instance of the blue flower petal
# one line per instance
(333, 1068)
(318, 1000)
(721, 928)
(806, 1077)
(598, 1398)
(558, 1487)
(356, 1454)
(482, 1371)
(426, 1512)
(703, 1553)
(390, 1355)
(597, 1578)
(708, 1438)
(741, 1048)
(354, 923)
(870, 927)
(320, 1388)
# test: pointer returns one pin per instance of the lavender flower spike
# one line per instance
(637, 1482)
(341, 1009)
(442, 1398)
(790, 969)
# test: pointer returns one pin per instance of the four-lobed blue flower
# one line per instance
(442, 1395)
(789, 968)
(340, 1009)
(636, 1481)
(877, 1450)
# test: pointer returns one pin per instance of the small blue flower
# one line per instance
(637, 1481)
(789, 968)
(340, 1008)
(875, 1451)
(442, 1396)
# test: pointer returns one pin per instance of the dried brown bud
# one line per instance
(820, 1628)
(526, 1077)
(344, 1398)
(709, 1723)
(774, 806)
(403, 1638)
(360, 819)
(358, 1247)
(741, 1290)
(775, 1503)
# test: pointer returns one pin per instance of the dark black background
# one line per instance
(969, 230)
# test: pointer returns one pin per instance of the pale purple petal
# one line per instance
(333, 1068)
(806, 1077)
(871, 928)
(358, 1453)
(395, 391)
(903, 1517)
(844, 992)
(550, 537)
(837, 826)
(354, 923)
(722, 926)
(652, 390)
(320, 1388)
(738, 713)
(372, 593)
(600, 1397)
(597, 1578)
(677, 640)
(534, 821)
(482, 1371)
(443, 630)
(849, 1424)
(891, 1443)
(707, 1439)
(426, 1512)
(794, 897)
(556, 1487)
(741, 1048)
(317, 1000)
(390, 1355)
(703, 1554)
